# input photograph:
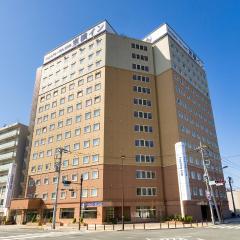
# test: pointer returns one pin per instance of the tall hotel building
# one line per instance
(119, 105)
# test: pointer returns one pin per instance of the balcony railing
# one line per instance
(8, 145)
(8, 134)
(7, 155)
(3, 179)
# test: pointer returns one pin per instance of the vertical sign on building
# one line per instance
(182, 172)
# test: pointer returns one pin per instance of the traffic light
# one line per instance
(66, 183)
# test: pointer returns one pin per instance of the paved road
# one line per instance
(219, 232)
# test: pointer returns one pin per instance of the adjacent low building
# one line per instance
(13, 140)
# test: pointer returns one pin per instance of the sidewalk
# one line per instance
(113, 227)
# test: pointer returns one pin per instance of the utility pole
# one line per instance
(230, 185)
(122, 158)
(201, 148)
(57, 166)
(80, 207)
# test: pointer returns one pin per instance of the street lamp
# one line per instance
(122, 158)
(80, 207)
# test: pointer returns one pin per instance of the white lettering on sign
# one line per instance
(101, 27)
(182, 171)
(165, 29)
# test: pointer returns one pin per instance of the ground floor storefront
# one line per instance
(35, 211)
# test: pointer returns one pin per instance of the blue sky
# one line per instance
(28, 29)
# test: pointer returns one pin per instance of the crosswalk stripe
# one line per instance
(38, 235)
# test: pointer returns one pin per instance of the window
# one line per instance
(49, 153)
(144, 143)
(63, 195)
(62, 100)
(96, 142)
(94, 192)
(78, 118)
(90, 212)
(65, 163)
(69, 109)
(96, 126)
(87, 129)
(63, 90)
(143, 102)
(60, 124)
(69, 121)
(95, 174)
(55, 180)
(75, 161)
(51, 127)
(85, 159)
(145, 174)
(61, 112)
(97, 75)
(97, 86)
(97, 99)
(71, 86)
(96, 113)
(145, 115)
(53, 195)
(46, 181)
(71, 97)
(67, 134)
(88, 102)
(98, 63)
(44, 196)
(59, 137)
(87, 115)
(79, 106)
(80, 82)
(84, 193)
(76, 146)
(95, 158)
(80, 93)
(86, 144)
(37, 182)
(146, 191)
(53, 115)
(143, 128)
(85, 176)
(144, 158)
(73, 194)
(90, 78)
(145, 212)
(74, 177)
(89, 90)
(67, 213)
(77, 131)
(50, 139)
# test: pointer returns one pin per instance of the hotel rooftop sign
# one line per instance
(83, 37)
(165, 29)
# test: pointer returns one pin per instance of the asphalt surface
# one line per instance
(218, 232)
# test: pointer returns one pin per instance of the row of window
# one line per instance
(88, 115)
(139, 46)
(140, 67)
(138, 56)
(143, 128)
(140, 158)
(141, 78)
(65, 163)
(144, 143)
(140, 114)
(140, 174)
(146, 191)
(73, 194)
(71, 86)
(88, 103)
(140, 89)
(143, 102)
(86, 144)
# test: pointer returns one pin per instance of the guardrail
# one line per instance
(143, 226)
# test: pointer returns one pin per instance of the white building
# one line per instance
(12, 148)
